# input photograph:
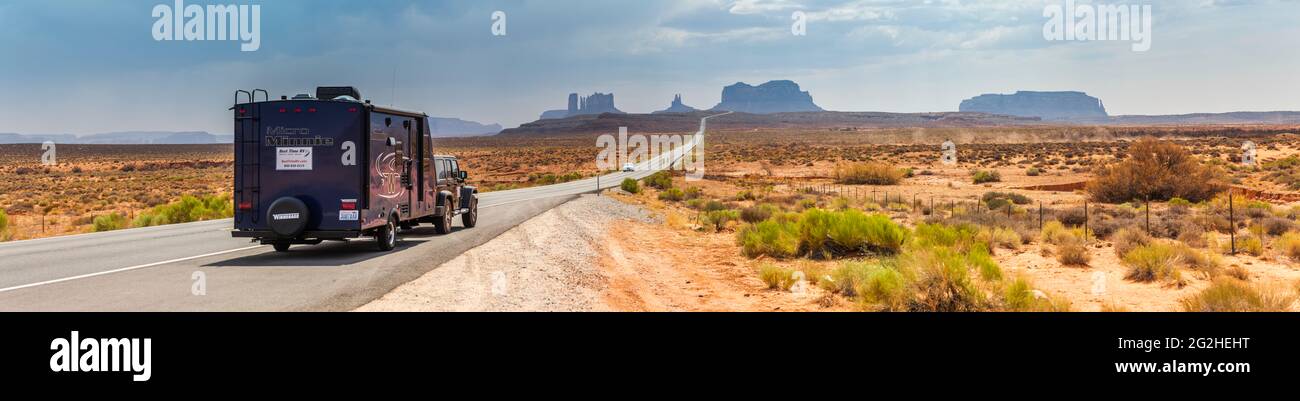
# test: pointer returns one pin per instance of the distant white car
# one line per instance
(629, 167)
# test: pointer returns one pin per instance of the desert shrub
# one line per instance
(630, 185)
(1153, 262)
(672, 195)
(1001, 237)
(1073, 254)
(772, 238)
(693, 192)
(1019, 296)
(959, 237)
(1033, 172)
(109, 222)
(1289, 245)
(1008, 196)
(1191, 258)
(884, 287)
(696, 204)
(980, 258)
(1055, 233)
(660, 180)
(189, 208)
(4, 226)
(1276, 226)
(805, 204)
(717, 219)
(1237, 272)
(1128, 239)
(776, 277)
(1156, 170)
(745, 195)
(942, 281)
(844, 278)
(986, 176)
(870, 173)
(827, 234)
(713, 205)
(1230, 295)
(1249, 244)
(757, 213)
(1073, 217)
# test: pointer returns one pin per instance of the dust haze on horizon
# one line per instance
(98, 62)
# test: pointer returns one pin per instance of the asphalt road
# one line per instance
(157, 268)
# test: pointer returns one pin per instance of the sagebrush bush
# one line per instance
(1018, 296)
(980, 258)
(869, 173)
(189, 208)
(1231, 295)
(884, 287)
(1159, 171)
(672, 195)
(942, 282)
(109, 222)
(660, 180)
(1055, 233)
(717, 219)
(4, 226)
(757, 213)
(986, 176)
(1153, 262)
(772, 238)
(630, 185)
(1276, 226)
(776, 277)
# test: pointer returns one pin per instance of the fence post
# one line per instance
(1085, 221)
(1232, 223)
(1040, 215)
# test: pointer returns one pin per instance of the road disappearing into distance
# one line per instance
(200, 267)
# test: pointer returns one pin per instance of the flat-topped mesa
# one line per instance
(677, 107)
(772, 97)
(1068, 105)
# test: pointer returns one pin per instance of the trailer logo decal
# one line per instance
(293, 158)
(279, 136)
(390, 176)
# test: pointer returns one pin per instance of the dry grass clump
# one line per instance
(1231, 295)
(1154, 262)
(1289, 245)
(869, 173)
(1073, 254)
(1128, 239)
(776, 277)
(1156, 170)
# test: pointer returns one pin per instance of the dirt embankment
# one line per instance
(593, 254)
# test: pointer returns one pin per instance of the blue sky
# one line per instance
(93, 66)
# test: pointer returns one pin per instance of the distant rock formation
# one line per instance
(1047, 105)
(451, 127)
(677, 107)
(123, 138)
(597, 103)
(772, 97)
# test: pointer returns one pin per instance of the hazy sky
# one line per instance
(94, 66)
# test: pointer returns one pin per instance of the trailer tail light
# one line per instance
(311, 110)
(245, 205)
(242, 111)
(297, 109)
(284, 110)
(352, 109)
(349, 204)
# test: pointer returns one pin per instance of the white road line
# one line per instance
(60, 280)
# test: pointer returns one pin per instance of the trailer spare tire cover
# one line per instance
(287, 216)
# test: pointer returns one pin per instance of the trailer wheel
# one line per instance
(280, 246)
(442, 224)
(386, 236)
(470, 219)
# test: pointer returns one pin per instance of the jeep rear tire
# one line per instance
(280, 246)
(470, 218)
(386, 236)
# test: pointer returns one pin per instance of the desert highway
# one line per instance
(157, 268)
